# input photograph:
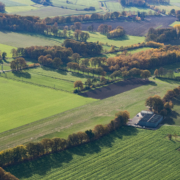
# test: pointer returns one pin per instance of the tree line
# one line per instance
(148, 59)
(162, 35)
(6, 175)
(85, 49)
(46, 146)
(163, 105)
(2, 7)
(142, 3)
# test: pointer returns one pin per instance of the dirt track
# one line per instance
(114, 89)
(136, 28)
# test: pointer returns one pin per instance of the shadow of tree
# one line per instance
(46, 163)
(23, 74)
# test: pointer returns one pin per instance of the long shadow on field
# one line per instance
(174, 116)
(45, 164)
(116, 88)
(22, 74)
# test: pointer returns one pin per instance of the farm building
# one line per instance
(147, 119)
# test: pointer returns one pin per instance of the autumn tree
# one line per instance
(99, 130)
(155, 102)
(84, 36)
(156, 73)
(47, 144)
(6, 175)
(78, 84)
(85, 62)
(2, 7)
(77, 25)
(77, 34)
(57, 62)
(75, 57)
(18, 64)
(145, 74)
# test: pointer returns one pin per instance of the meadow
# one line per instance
(47, 77)
(26, 40)
(87, 116)
(127, 153)
(7, 49)
(22, 103)
(125, 41)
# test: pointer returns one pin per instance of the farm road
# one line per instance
(114, 89)
(136, 28)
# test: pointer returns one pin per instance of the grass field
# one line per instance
(26, 40)
(128, 40)
(176, 22)
(22, 103)
(87, 116)
(61, 80)
(128, 153)
(7, 49)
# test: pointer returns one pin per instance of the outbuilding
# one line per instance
(149, 119)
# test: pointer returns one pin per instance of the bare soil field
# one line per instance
(136, 28)
(116, 88)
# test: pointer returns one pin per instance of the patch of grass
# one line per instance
(87, 116)
(17, 9)
(61, 80)
(127, 153)
(125, 41)
(176, 22)
(27, 40)
(23, 103)
(7, 49)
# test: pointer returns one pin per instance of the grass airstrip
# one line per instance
(127, 153)
(45, 102)
(22, 103)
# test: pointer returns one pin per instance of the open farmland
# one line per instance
(26, 40)
(124, 41)
(7, 49)
(127, 153)
(22, 103)
(60, 80)
(87, 116)
(136, 28)
(52, 11)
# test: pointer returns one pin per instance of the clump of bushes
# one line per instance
(118, 32)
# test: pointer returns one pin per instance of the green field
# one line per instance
(22, 103)
(27, 40)
(128, 153)
(87, 116)
(128, 40)
(7, 49)
(176, 22)
(60, 80)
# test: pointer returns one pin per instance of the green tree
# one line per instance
(4, 54)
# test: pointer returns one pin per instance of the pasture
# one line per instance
(124, 41)
(127, 153)
(27, 40)
(87, 116)
(49, 11)
(23, 103)
(60, 80)
(7, 49)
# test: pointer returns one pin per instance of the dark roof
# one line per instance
(152, 118)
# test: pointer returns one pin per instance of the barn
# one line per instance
(149, 119)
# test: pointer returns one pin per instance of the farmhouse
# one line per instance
(147, 119)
